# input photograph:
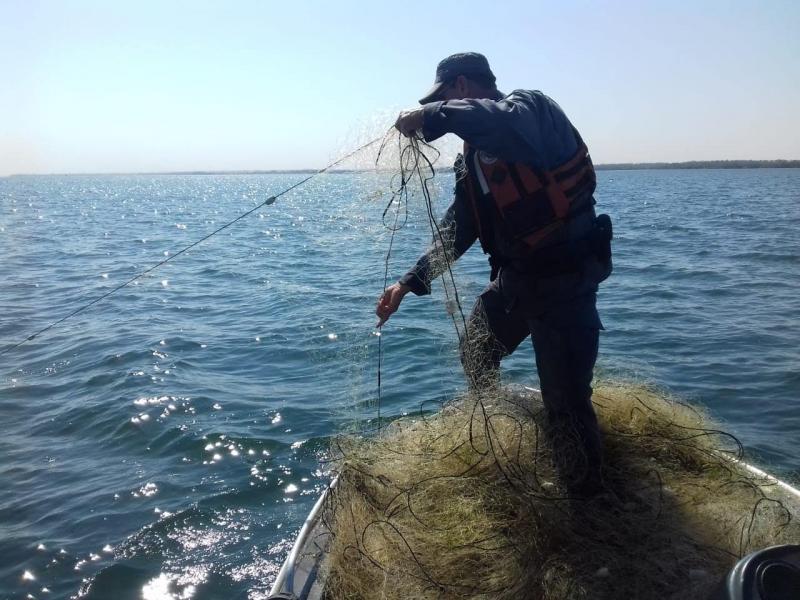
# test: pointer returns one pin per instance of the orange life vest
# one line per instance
(532, 203)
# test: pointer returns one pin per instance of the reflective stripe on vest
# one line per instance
(532, 203)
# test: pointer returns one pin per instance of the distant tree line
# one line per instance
(706, 164)
(693, 164)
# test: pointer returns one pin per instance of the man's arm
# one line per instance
(458, 232)
(525, 126)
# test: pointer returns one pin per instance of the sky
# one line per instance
(96, 87)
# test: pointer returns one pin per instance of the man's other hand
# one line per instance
(409, 122)
(390, 301)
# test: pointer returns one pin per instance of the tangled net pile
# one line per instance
(468, 502)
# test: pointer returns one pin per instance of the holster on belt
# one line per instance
(567, 257)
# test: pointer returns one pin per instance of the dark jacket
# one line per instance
(525, 126)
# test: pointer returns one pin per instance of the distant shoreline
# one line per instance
(692, 164)
(704, 164)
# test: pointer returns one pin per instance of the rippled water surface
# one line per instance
(169, 441)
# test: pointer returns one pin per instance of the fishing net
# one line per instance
(467, 503)
(472, 502)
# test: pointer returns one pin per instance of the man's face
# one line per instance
(458, 89)
(451, 93)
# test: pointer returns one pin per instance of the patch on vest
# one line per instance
(486, 158)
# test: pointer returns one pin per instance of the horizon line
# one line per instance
(689, 164)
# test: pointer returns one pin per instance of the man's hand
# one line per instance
(409, 122)
(390, 301)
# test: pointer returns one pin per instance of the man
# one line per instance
(525, 192)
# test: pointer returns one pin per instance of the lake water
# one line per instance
(169, 441)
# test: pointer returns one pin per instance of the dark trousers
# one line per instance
(566, 351)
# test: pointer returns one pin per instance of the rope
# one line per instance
(415, 165)
(267, 202)
(399, 196)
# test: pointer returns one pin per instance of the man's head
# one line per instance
(463, 75)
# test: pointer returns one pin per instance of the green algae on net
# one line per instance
(466, 503)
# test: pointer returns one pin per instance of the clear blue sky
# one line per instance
(148, 86)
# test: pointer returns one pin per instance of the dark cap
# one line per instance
(464, 63)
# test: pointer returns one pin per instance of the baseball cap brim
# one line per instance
(434, 93)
